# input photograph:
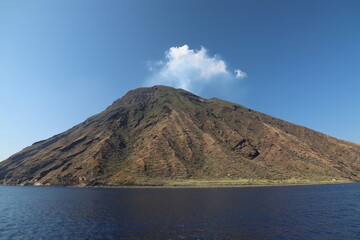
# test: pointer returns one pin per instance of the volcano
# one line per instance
(158, 134)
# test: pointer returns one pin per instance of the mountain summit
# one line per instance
(161, 133)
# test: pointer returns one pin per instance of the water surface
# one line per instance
(287, 212)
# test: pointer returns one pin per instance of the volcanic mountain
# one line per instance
(164, 133)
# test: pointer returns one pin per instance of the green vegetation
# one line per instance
(223, 182)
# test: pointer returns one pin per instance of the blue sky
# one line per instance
(63, 61)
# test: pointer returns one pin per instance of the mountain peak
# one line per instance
(141, 95)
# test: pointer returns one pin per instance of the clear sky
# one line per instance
(63, 61)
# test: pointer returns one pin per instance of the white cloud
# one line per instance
(190, 69)
(240, 74)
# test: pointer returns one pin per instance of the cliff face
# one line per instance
(166, 133)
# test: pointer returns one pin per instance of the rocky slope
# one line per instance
(166, 133)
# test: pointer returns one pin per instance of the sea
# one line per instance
(271, 212)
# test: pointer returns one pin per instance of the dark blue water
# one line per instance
(296, 212)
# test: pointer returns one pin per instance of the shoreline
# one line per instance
(192, 186)
(217, 186)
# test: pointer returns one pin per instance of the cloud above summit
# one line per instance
(191, 69)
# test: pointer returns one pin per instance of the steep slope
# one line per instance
(166, 133)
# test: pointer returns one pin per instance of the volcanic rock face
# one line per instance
(167, 133)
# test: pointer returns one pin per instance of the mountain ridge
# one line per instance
(170, 134)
